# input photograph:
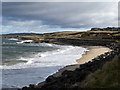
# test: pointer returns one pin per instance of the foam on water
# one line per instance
(63, 56)
(39, 65)
(23, 41)
(13, 39)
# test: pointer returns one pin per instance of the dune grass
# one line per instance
(108, 77)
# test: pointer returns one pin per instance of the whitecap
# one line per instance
(24, 41)
(13, 39)
(65, 55)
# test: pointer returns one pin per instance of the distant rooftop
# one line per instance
(106, 29)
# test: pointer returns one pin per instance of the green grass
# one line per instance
(108, 77)
(81, 35)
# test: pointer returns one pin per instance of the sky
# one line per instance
(45, 17)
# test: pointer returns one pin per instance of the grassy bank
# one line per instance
(83, 35)
(108, 77)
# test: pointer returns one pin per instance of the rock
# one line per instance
(69, 79)
(50, 78)
(25, 88)
(31, 86)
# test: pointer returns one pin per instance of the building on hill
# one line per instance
(106, 29)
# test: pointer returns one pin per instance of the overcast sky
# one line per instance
(41, 17)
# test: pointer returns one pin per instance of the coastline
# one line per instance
(100, 51)
(93, 52)
(90, 54)
(36, 75)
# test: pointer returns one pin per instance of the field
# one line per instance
(83, 35)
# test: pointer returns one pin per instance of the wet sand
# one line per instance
(93, 51)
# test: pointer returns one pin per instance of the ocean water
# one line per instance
(24, 64)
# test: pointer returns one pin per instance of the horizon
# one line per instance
(56, 31)
(49, 32)
(48, 17)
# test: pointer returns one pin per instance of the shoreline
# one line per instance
(72, 67)
(93, 52)
(80, 61)
(88, 56)
(71, 76)
(68, 57)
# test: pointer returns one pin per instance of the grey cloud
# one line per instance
(64, 15)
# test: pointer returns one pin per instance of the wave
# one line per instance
(13, 39)
(47, 44)
(24, 41)
(65, 55)
(39, 66)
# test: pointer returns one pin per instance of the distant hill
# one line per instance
(106, 29)
(21, 34)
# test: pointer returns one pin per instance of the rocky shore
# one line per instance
(72, 79)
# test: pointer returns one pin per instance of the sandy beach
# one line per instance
(93, 51)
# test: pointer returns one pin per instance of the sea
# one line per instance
(31, 63)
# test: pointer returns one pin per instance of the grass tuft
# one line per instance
(107, 77)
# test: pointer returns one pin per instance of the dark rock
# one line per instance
(31, 86)
(25, 88)
(50, 78)
(68, 79)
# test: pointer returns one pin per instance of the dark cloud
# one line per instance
(62, 15)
